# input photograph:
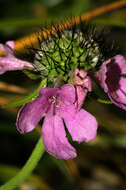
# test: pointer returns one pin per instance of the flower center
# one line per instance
(55, 100)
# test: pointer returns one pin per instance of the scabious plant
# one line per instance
(72, 49)
(57, 106)
(9, 62)
(72, 55)
(112, 77)
(60, 107)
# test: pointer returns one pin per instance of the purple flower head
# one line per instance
(82, 86)
(112, 80)
(57, 107)
(9, 61)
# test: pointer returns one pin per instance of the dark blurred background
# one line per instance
(101, 164)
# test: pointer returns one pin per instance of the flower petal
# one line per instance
(101, 75)
(121, 61)
(81, 125)
(9, 61)
(30, 114)
(7, 64)
(55, 140)
(67, 94)
(48, 92)
(12, 63)
(8, 48)
(118, 98)
(10, 44)
(87, 83)
(80, 96)
(112, 81)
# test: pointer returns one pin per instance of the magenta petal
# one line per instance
(22, 64)
(101, 75)
(48, 92)
(121, 61)
(55, 140)
(120, 93)
(88, 84)
(8, 48)
(10, 44)
(81, 125)
(80, 96)
(67, 94)
(112, 80)
(120, 99)
(30, 114)
(120, 105)
(9, 61)
(12, 63)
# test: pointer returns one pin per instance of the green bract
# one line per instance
(63, 52)
(83, 48)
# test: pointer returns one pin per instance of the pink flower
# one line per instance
(9, 61)
(82, 84)
(112, 80)
(57, 106)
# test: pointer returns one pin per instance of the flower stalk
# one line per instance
(27, 169)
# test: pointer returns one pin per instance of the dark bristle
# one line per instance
(88, 40)
(101, 36)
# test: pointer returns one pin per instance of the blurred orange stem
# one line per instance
(21, 43)
(33, 39)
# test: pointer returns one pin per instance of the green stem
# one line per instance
(27, 169)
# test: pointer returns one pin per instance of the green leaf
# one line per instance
(104, 101)
(102, 96)
(99, 91)
(123, 75)
(28, 98)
